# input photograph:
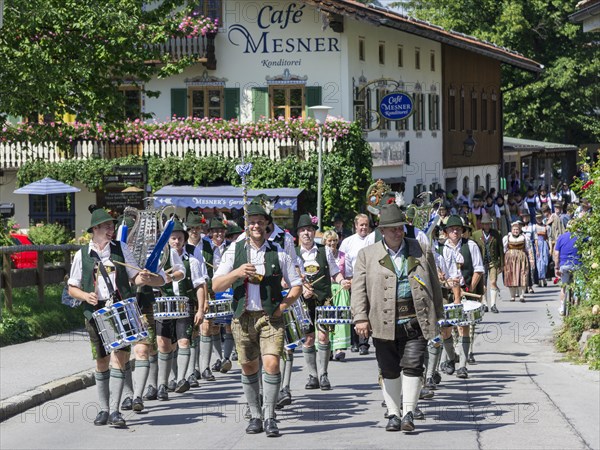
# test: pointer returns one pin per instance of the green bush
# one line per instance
(592, 352)
(31, 319)
(50, 234)
(580, 319)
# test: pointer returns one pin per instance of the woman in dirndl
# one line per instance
(517, 261)
(542, 248)
(340, 337)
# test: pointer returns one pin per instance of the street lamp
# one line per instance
(469, 145)
(320, 114)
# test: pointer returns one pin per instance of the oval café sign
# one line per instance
(396, 106)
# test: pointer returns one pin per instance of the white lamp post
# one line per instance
(320, 113)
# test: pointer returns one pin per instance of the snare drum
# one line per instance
(333, 315)
(171, 307)
(453, 314)
(472, 313)
(220, 310)
(294, 330)
(120, 324)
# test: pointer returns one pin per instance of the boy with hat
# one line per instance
(254, 268)
(94, 278)
(396, 296)
(318, 267)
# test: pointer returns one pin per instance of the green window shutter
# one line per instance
(179, 102)
(260, 103)
(313, 98)
(232, 103)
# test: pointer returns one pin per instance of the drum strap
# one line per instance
(114, 295)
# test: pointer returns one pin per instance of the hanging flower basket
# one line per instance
(197, 25)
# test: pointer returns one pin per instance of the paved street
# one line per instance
(519, 395)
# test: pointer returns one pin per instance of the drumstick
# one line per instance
(132, 267)
(169, 270)
(468, 294)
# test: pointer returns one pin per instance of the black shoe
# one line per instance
(324, 382)
(354, 349)
(197, 374)
(408, 423)
(216, 367)
(207, 375)
(426, 394)
(234, 356)
(162, 394)
(363, 351)
(284, 398)
(448, 367)
(193, 381)
(462, 372)
(138, 404)
(471, 359)
(225, 366)
(101, 418)
(485, 308)
(437, 378)
(127, 405)
(182, 386)
(340, 356)
(313, 383)
(522, 299)
(150, 393)
(418, 414)
(254, 427)
(430, 384)
(116, 420)
(171, 386)
(271, 429)
(494, 309)
(393, 424)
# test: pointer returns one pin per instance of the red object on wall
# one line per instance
(23, 260)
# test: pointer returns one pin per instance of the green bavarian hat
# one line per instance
(454, 221)
(179, 227)
(100, 216)
(195, 219)
(305, 220)
(216, 223)
(233, 228)
(391, 216)
(254, 209)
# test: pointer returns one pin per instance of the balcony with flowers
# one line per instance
(193, 38)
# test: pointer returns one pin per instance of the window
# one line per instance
(432, 61)
(465, 183)
(488, 182)
(54, 207)
(400, 56)
(419, 114)
(384, 124)
(462, 109)
(484, 112)
(287, 101)
(451, 108)
(211, 8)
(360, 115)
(206, 101)
(381, 52)
(473, 110)
(417, 58)
(133, 101)
(494, 112)
(477, 182)
(361, 49)
(434, 109)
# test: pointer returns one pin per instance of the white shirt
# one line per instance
(257, 257)
(218, 250)
(311, 255)
(76, 275)
(197, 273)
(452, 257)
(350, 247)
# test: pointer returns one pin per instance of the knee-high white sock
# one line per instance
(206, 344)
(216, 342)
(128, 386)
(411, 388)
(310, 356)
(102, 385)
(287, 369)
(153, 374)
(183, 359)
(116, 382)
(465, 343)
(323, 357)
(228, 345)
(494, 293)
(392, 394)
(142, 367)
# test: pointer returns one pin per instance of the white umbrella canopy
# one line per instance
(46, 186)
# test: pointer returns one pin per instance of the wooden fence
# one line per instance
(41, 276)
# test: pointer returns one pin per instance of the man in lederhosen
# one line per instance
(254, 269)
(396, 295)
(93, 278)
(490, 245)
(318, 267)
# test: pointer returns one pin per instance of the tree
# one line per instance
(62, 57)
(562, 103)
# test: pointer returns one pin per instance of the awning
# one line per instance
(221, 197)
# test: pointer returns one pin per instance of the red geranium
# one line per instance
(587, 185)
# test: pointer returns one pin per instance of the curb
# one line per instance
(17, 404)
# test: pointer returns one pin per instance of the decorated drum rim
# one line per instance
(333, 308)
(218, 314)
(219, 302)
(179, 298)
(334, 321)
